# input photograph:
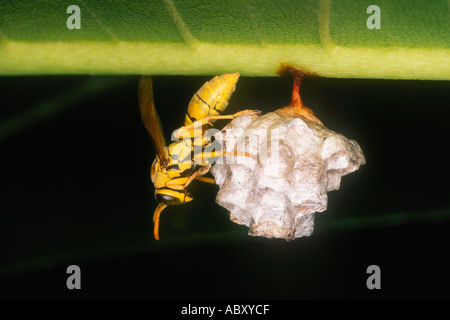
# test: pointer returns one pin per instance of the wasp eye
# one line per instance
(153, 170)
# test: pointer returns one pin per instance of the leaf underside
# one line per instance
(254, 37)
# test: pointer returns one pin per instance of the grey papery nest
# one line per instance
(296, 161)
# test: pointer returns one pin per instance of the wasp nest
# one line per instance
(295, 161)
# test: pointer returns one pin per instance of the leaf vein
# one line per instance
(324, 25)
(180, 24)
(254, 21)
(107, 30)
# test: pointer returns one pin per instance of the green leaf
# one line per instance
(253, 37)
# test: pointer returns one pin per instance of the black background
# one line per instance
(75, 189)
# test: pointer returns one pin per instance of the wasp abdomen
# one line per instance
(212, 98)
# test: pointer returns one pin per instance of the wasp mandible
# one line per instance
(174, 167)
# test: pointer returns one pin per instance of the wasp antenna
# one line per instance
(156, 215)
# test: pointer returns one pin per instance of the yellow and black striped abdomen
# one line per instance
(212, 98)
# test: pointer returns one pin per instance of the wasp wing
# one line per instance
(150, 118)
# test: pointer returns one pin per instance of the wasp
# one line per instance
(177, 165)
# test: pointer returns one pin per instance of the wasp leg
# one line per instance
(156, 215)
(209, 119)
(202, 157)
(177, 184)
(206, 179)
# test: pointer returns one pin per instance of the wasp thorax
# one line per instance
(298, 162)
(180, 151)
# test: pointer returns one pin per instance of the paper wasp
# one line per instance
(175, 167)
